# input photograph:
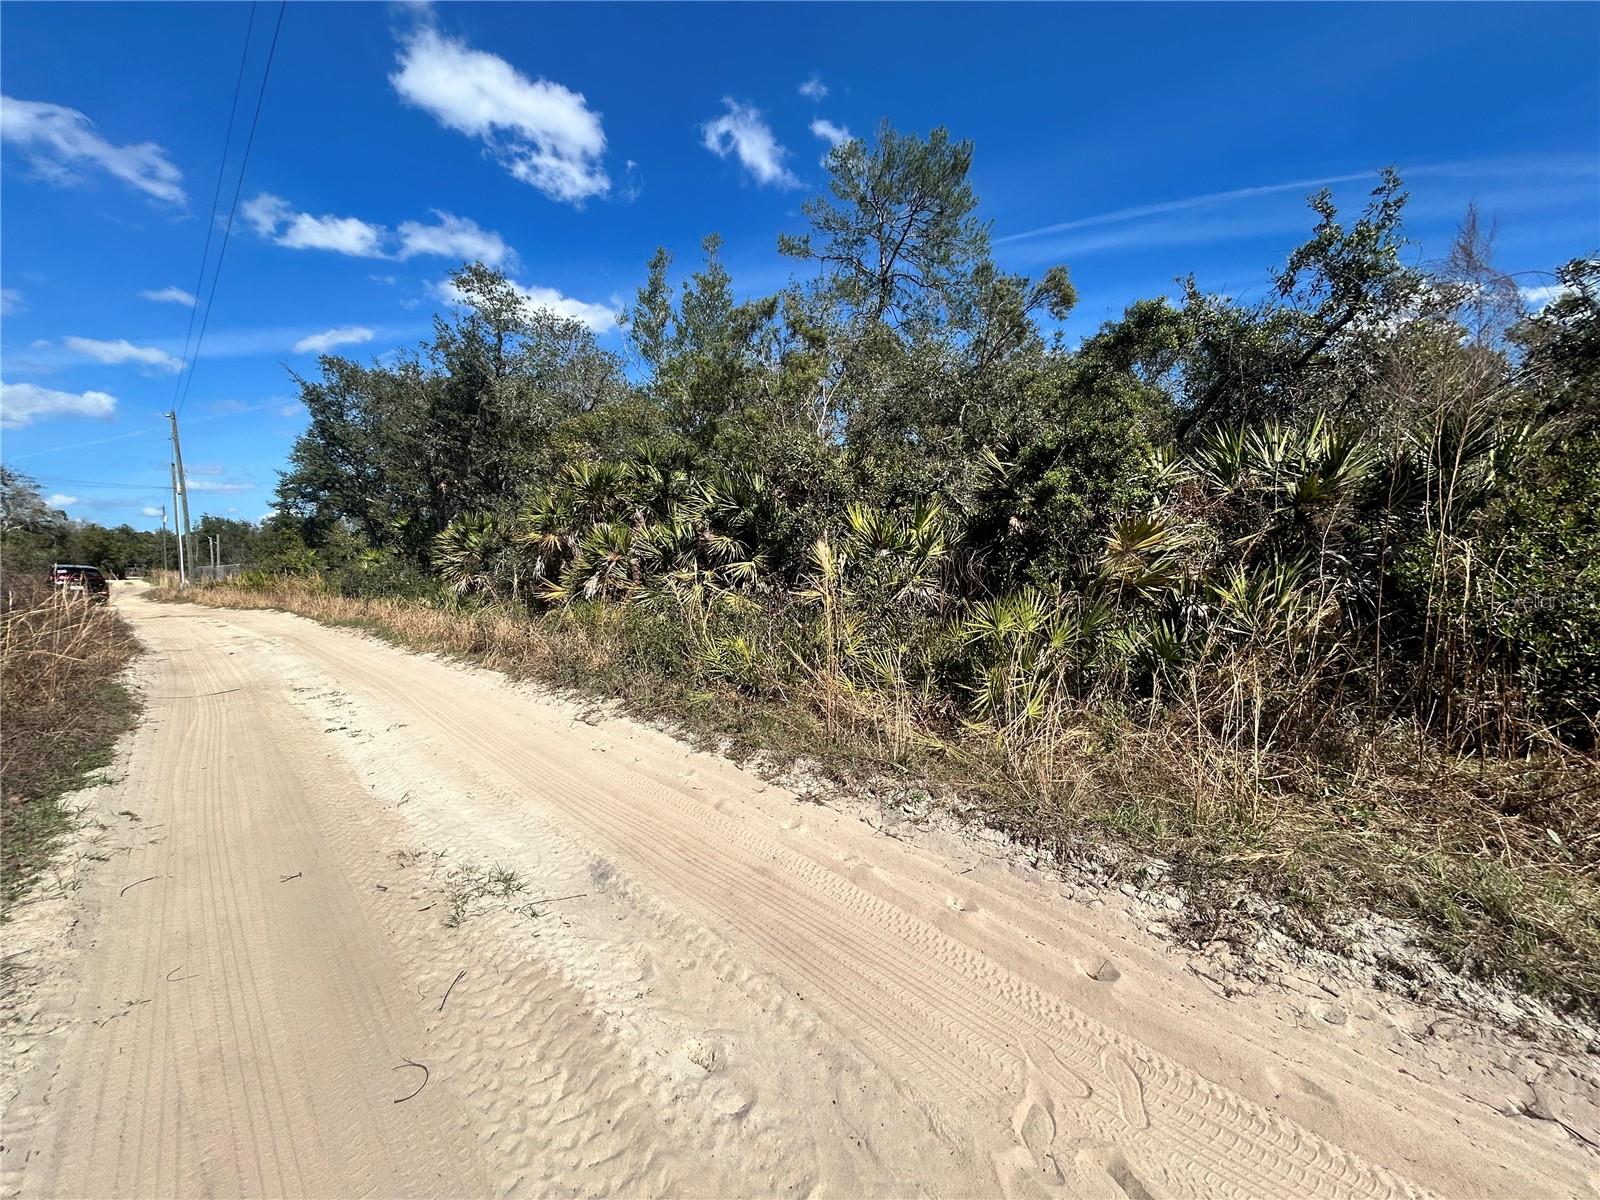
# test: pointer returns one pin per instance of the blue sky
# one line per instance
(1135, 143)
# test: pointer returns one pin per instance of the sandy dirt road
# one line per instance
(287, 967)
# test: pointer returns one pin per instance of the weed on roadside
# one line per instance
(63, 706)
(469, 886)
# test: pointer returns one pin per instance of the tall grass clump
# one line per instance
(62, 704)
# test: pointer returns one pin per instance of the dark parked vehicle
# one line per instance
(73, 579)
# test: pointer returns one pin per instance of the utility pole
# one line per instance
(181, 518)
(163, 537)
(183, 579)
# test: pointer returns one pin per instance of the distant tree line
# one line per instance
(34, 535)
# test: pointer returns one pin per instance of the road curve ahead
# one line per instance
(372, 923)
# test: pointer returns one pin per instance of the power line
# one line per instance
(120, 437)
(216, 194)
(199, 483)
(57, 481)
(227, 231)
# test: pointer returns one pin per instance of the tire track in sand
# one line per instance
(232, 1035)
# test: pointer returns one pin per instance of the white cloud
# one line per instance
(834, 135)
(814, 89)
(452, 237)
(57, 500)
(169, 295)
(345, 335)
(543, 133)
(24, 403)
(214, 485)
(59, 140)
(1537, 297)
(151, 510)
(274, 219)
(742, 131)
(265, 213)
(292, 409)
(123, 351)
(342, 235)
(10, 302)
(597, 317)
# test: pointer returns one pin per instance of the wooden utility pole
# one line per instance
(183, 579)
(181, 488)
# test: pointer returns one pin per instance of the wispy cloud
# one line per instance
(449, 236)
(123, 351)
(60, 142)
(1139, 211)
(632, 182)
(834, 135)
(544, 134)
(814, 89)
(1147, 234)
(452, 237)
(10, 302)
(345, 335)
(59, 500)
(743, 132)
(276, 220)
(1561, 166)
(1537, 297)
(169, 295)
(24, 403)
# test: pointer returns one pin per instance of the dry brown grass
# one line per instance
(62, 705)
(1497, 861)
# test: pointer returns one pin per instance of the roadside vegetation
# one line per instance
(62, 706)
(1299, 592)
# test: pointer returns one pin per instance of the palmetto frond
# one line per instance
(465, 552)
(1140, 553)
(1223, 460)
(604, 567)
